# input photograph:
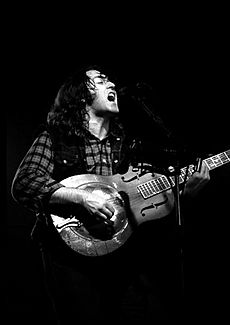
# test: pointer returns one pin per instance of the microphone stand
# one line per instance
(175, 155)
(179, 222)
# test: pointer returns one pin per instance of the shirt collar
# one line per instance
(116, 130)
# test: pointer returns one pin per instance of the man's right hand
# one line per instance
(98, 205)
(95, 203)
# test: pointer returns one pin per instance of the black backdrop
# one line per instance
(191, 95)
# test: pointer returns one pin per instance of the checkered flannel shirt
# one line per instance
(34, 183)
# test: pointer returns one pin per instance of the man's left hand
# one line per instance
(197, 181)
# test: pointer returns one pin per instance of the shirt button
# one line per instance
(118, 139)
(65, 161)
(115, 161)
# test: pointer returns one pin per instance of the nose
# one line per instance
(110, 84)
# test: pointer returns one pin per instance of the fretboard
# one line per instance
(164, 183)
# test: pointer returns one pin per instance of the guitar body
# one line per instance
(131, 209)
(136, 197)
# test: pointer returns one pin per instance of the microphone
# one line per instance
(139, 89)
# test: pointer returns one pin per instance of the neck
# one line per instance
(99, 126)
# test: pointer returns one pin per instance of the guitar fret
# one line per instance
(183, 172)
(181, 179)
(166, 182)
(144, 191)
(153, 183)
(210, 163)
(187, 171)
(172, 180)
(224, 157)
(155, 186)
(149, 189)
(218, 160)
(152, 187)
(162, 183)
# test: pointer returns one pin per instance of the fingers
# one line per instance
(201, 169)
(100, 217)
(99, 206)
(106, 212)
(109, 212)
(204, 171)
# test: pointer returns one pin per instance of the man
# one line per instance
(83, 135)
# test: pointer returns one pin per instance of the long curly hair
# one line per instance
(68, 112)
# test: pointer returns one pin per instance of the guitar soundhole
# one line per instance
(119, 218)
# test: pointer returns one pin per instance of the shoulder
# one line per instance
(43, 139)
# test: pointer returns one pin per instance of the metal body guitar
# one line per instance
(136, 197)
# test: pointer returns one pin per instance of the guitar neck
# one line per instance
(164, 183)
(218, 160)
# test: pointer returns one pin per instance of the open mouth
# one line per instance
(111, 96)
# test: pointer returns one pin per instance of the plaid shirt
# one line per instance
(35, 180)
(98, 156)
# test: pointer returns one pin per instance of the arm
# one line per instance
(94, 204)
(34, 186)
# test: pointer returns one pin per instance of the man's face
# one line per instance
(103, 93)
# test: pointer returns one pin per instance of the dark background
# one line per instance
(189, 74)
